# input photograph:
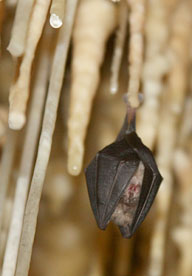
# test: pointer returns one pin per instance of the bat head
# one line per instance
(122, 182)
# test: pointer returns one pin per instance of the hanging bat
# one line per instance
(123, 180)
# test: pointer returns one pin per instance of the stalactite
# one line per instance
(91, 32)
(86, 51)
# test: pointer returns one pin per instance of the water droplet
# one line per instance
(55, 21)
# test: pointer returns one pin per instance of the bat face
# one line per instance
(122, 182)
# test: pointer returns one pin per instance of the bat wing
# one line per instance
(151, 181)
(107, 176)
(140, 213)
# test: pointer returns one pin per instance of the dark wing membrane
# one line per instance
(151, 182)
(143, 152)
(121, 180)
(119, 150)
(91, 177)
(106, 172)
(107, 177)
(146, 190)
(100, 175)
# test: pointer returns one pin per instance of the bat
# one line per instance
(123, 180)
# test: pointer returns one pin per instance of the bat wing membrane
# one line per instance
(107, 177)
(110, 173)
(151, 181)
